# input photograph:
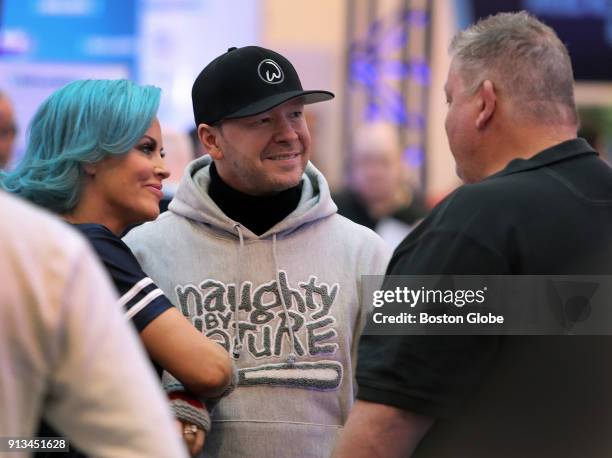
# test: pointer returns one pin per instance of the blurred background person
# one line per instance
(378, 195)
(8, 130)
(66, 352)
(181, 152)
(95, 157)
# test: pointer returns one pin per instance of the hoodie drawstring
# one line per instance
(237, 342)
(292, 355)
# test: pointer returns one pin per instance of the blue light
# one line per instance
(371, 69)
(414, 156)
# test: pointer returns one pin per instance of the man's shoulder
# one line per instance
(492, 189)
(489, 196)
(353, 229)
(473, 210)
(154, 229)
(360, 238)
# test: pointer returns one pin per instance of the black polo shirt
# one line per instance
(520, 395)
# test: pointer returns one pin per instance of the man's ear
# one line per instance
(209, 138)
(488, 100)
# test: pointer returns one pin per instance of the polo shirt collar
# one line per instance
(567, 150)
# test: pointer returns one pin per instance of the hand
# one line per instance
(192, 435)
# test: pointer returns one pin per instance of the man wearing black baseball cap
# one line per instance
(255, 255)
(246, 86)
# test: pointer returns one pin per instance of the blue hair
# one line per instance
(81, 123)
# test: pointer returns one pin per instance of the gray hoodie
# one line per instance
(296, 383)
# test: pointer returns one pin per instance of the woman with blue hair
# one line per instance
(95, 157)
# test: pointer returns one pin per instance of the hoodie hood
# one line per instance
(192, 201)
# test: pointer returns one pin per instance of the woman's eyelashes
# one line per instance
(148, 147)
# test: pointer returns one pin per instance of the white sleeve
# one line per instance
(104, 394)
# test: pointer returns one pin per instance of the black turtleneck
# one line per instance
(257, 213)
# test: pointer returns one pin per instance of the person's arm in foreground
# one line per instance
(105, 396)
(378, 430)
(203, 366)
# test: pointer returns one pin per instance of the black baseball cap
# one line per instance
(245, 82)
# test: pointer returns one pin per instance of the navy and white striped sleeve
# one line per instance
(142, 300)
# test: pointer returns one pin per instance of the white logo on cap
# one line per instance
(270, 71)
